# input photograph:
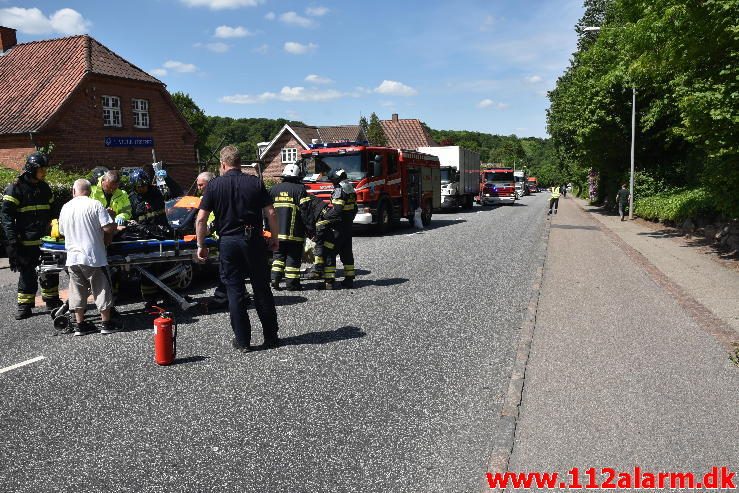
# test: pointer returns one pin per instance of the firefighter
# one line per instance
(344, 200)
(320, 220)
(287, 197)
(26, 217)
(113, 198)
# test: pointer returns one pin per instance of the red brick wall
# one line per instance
(79, 136)
(273, 159)
(14, 149)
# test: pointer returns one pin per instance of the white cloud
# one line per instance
(487, 23)
(222, 4)
(158, 72)
(214, 47)
(286, 94)
(33, 21)
(225, 32)
(299, 49)
(395, 88)
(489, 103)
(317, 11)
(294, 19)
(533, 79)
(317, 79)
(262, 50)
(270, 16)
(183, 68)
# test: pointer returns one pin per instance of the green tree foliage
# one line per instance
(682, 57)
(364, 125)
(375, 133)
(194, 116)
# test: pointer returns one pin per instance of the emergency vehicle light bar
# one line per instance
(346, 143)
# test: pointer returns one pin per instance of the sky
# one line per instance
(482, 65)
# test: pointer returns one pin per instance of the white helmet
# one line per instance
(291, 171)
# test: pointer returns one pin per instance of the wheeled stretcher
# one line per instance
(139, 256)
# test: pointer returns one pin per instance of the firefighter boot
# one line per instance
(53, 303)
(24, 311)
(293, 285)
(347, 282)
(276, 278)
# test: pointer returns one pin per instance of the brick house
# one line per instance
(285, 147)
(95, 107)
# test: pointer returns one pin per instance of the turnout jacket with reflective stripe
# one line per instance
(287, 198)
(149, 207)
(27, 211)
(344, 199)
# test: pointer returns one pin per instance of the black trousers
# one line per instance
(553, 203)
(342, 246)
(286, 261)
(241, 257)
(29, 257)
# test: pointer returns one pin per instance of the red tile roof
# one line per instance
(406, 134)
(37, 77)
(340, 133)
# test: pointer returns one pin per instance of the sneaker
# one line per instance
(84, 328)
(348, 283)
(239, 347)
(555, 211)
(24, 311)
(110, 327)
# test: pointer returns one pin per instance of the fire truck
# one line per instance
(390, 183)
(497, 185)
(533, 184)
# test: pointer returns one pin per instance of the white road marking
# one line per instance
(24, 363)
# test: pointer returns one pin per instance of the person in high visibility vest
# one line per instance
(113, 198)
(553, 200)
(26, 217)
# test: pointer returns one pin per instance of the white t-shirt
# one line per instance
(81, 222)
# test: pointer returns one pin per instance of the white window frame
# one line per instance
(140, 109)
(112, 111)
(288, 153)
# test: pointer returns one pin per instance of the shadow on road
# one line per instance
(393, 281)
(189, 359)
(570, 226)
(324, 337)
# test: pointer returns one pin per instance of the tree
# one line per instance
(195, 117)
(375, 133)
(364, 126)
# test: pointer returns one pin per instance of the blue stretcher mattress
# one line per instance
(142, 246)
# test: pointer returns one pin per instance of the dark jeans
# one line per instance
(241, 258)
(553, 203)
(622, 209)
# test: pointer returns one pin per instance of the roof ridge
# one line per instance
(122, 60)
(51, 40)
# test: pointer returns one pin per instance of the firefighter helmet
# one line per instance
(291, 171)
(33, 162)
(138, 177)
(96, 174)
(337, 176)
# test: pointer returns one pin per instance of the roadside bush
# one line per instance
(676, 206)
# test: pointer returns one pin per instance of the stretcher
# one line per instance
(138, 256)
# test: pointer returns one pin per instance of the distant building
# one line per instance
(285, 147)
(94, 106)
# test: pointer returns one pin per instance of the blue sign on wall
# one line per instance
(129, 142)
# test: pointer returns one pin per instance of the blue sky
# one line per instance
(463, 65)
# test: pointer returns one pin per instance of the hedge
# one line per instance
(676, 206)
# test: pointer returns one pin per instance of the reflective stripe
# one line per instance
(10, 198)
(278, 262)
(45, 292)
(330, 269)
(305, 199)
(328, 244)
(322, 223)
(318, 260)
(290, 238)
(284, 204)
(348, 267)
(26, 299)
(292, 269)
(277, 268)
(349, 207)
(43, 207)
(293, 275)
(337, 201)
(30, 242)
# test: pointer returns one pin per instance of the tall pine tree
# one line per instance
(375, 133)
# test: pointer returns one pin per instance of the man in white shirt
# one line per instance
(87, 228)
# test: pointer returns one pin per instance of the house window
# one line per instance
(289, 155)
(112, 111)
(140, 113)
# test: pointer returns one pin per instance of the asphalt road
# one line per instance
(393, 386)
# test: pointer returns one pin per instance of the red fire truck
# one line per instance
(390, 183)
(533, 184)
(497, 185)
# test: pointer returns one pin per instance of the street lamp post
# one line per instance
(633, 135)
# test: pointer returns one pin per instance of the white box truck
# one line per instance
(460, 175)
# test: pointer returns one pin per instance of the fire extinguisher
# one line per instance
(165, 338)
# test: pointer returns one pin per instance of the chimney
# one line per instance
(7, 39)
(395, 117)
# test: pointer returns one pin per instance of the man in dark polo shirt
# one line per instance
(239, 200)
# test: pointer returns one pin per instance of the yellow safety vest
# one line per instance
(555, 192)
(118, 202)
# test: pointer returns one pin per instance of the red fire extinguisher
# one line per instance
(165, 338)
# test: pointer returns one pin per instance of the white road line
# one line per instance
(24, 363)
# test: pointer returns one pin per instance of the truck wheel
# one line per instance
(185, 277)
(383, 218)
(426, 214)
